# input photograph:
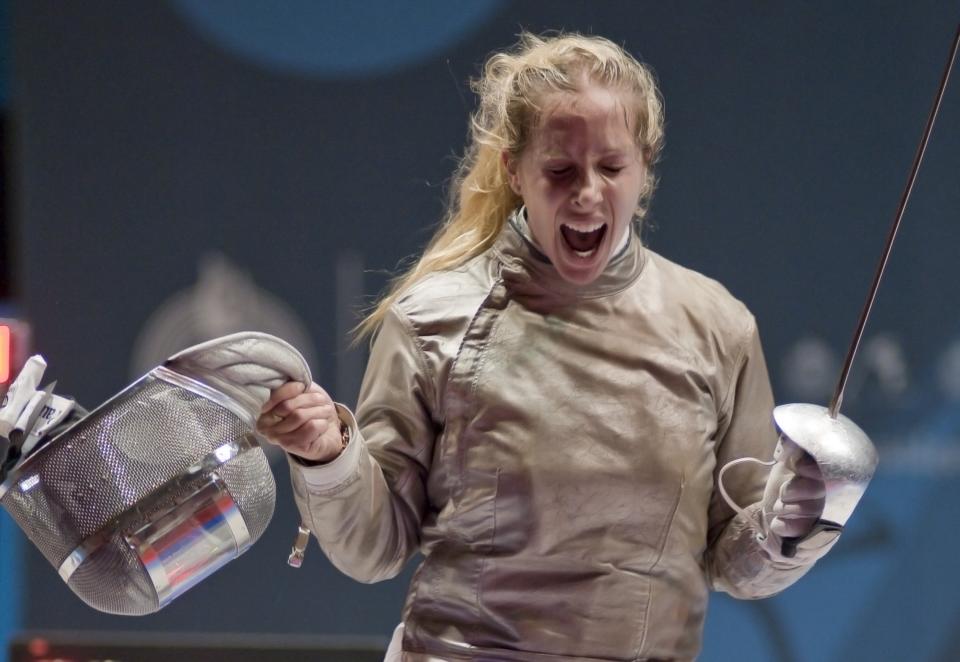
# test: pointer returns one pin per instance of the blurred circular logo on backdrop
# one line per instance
(225, 299)
(334, 39)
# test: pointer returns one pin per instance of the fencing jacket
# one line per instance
(552, 450)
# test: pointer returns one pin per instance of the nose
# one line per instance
(587, 193)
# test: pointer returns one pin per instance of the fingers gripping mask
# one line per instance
(163, 483)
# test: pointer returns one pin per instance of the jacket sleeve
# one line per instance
(366, 506)
(736, 560)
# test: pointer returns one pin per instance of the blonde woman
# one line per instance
(548, 402)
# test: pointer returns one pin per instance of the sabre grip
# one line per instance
(788, 546)
(787, 458)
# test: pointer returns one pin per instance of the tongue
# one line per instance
(582, 241)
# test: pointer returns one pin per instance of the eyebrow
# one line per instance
(612, 152)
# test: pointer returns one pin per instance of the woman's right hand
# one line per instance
(302, 421)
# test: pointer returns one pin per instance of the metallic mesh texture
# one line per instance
(94, 480)
(250, 482)
(113, 580)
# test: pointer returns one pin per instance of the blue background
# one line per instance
(307, 144)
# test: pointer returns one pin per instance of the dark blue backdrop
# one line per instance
(186, 168)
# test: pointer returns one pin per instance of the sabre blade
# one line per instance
(837, 400)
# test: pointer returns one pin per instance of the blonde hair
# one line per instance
(512, 84)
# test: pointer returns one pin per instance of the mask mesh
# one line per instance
(94, 480)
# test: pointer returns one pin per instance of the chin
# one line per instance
(581, 276)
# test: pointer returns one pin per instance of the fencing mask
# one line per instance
(163, 483)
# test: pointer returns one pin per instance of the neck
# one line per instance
(529, 275)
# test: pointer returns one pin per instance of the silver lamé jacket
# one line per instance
(553, 451)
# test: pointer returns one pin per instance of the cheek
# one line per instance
(540, 198)
(551, 193)
(541, 229)
(629, 201)
(541, 222)
(629, 196)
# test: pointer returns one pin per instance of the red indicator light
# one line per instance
(14, 348)
(5, 354)
(39, 647)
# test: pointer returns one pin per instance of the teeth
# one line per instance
(584, 228)
(586, 253)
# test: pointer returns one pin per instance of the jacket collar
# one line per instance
(526, 271)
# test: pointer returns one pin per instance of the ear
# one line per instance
(646, 156)
(510, 166)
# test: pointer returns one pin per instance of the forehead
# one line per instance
(592, 117)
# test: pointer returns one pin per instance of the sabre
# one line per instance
(843, 453)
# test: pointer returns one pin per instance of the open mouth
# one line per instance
(583, 240)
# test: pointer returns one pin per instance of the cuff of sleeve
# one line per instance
(322, 477)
